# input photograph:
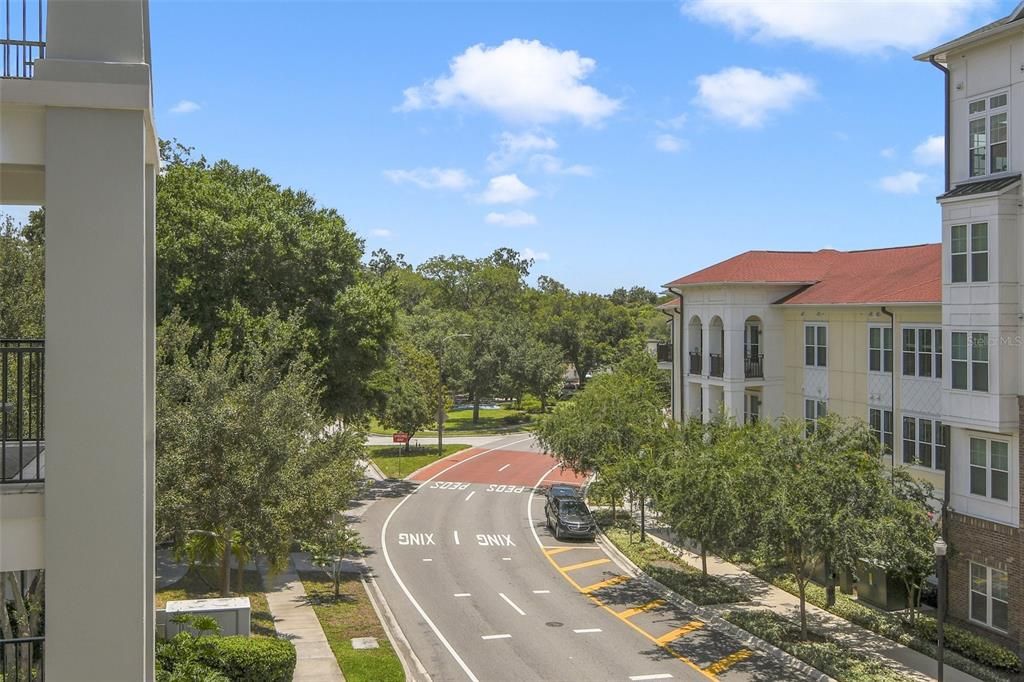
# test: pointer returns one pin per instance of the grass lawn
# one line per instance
(461, 421)
(347, 616)
(388, 459)
(192, 586)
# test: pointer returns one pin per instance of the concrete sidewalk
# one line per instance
(913, 665)
(295, 620)
(431, 441)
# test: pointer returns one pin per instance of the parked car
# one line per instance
(568, 517)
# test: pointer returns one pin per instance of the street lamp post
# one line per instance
(940, 548)
(441, 391)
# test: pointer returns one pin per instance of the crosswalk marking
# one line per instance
(629, 613)
(614, 580)
(723, 664)
(585, 564)
(679, 632)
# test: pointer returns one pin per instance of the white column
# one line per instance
(99, 391)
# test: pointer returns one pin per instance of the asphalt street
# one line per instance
(483, 592)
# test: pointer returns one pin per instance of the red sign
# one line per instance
(400, 438)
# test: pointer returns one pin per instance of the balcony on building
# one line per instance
(21, 411)
(23, 38)
(753, 366)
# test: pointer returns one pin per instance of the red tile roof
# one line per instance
(906, 274)
(670, 305)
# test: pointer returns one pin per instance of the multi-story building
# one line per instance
(76, 438)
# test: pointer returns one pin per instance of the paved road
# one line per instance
(483, 592)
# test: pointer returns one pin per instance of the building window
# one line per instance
(880, 349)
(990, 469)
(815, 345)
(880, 422)
(968, 257)
(751, 408)
(925, 443)
(814, 410)
(987, 135)
(989, 596)
(970, 361)
(922, 352)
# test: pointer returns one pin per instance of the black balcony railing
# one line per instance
(753, 366)
(24, 39)
(22, 441)
(717, 365)
(695, 363)
(21, 659)
(664, 352)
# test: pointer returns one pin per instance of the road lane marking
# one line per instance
(614, 580)
(495, 636)
(462, 594)
(401, 583)
(558, 550)
(512, 604)
(506, 558)
(629, 613)
(428, 559)
(471, 494)
(591, 597)
(721, 665)
(504, 467)
(586, 564)
(584, 631)
(679, 632)
(655, 676)
(456, 536)
(542, 591)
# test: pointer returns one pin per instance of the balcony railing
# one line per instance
(21, 659)
(22, 439)
(664, 352)
(695, 363)
(717, 364)
(24, 37)
(753, 366)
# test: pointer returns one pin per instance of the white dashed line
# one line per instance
(428, 559)
(542, 591)
(506, 558)
(512, 604)
(461, 594)
(456, 536)
(656, 676)
(470, 495)
(504, 467)
(495, 636)
(583, 631)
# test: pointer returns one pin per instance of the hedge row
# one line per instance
(213, 658)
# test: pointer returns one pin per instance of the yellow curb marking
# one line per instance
(629, 613)
(720, 666)
(615, 580)
(552, 551)
(679, 632)
(585, 564)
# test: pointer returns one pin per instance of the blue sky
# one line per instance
(621, 143)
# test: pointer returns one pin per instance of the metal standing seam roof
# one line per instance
(980, 187)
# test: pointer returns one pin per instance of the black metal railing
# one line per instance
(22, 439)
(753, 366)
(24, 39)
(717, 365)
(21, 659)
(664, 352)
(695, 363)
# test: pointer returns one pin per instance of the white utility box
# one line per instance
(232, 613)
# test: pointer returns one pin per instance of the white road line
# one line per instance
(471, 494)
(656, 676)
(504, 467)
(542, 591)
(428, 559)
(398, 579)
(495, 636)
(506, 558)
(461, 594)
(456, 536)
(512, 604)
(583, 631)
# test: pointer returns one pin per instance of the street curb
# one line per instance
(370, 464)
(391, 627)
(707, 616)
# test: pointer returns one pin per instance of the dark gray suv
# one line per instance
(568, 517)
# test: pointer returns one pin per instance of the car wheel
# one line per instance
(558, 533)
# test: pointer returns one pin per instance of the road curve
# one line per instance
(483, 592)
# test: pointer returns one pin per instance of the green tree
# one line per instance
(329, 547)
(21, 279)
(412, 396)
(242, 452)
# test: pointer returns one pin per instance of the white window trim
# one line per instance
(747, 413)
(892, 359)
(820, 411)
(890, 448)
(937, 427)
(988, 439)
(970, 361)
(936, 355)
(969, 253)
(816, 347)
(988, 596)
(986, 115)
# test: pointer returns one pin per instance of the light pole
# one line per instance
(940, 548)
(441, 391)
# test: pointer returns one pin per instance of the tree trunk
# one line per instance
(476, 410)
(240, 575)
(830, 584)
(802, 585)
(643, 518)
(225, 565)
(10, 650)
(703, 558)
(407, 444)
(337, 580)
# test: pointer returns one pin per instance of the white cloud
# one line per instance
(747, 96)
(513, 148)
(185, 106)
(858, 26)
(888, 153)
(382, 233)
(907, 182)
(669, 143)
(931, 152)
(519, 80)
(535, 255)
(552, 165)
(673, 123)
(507, 189)
(515, 218)
(431, 178)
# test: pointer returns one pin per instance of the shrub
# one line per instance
(530, 403)
(513, 419)
(253, 659)
(970, 645)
